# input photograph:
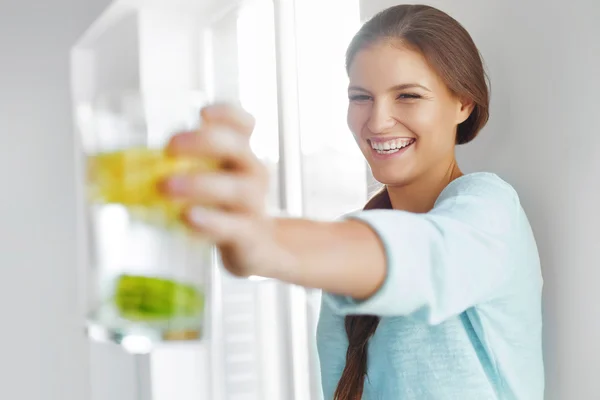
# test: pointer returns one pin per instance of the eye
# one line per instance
(359, 97)
(408, 96)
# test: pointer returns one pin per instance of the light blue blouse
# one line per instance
(460, 306)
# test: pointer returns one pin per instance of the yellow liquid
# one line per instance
(131, 177)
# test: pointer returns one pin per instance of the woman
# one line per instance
(440, 286)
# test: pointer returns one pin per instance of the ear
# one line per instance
(465, 108)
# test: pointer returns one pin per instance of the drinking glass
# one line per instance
(148, 277)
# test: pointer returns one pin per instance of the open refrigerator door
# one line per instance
(258, 335)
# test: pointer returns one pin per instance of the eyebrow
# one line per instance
(403, 86)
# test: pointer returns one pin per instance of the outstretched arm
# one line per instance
(382, 262)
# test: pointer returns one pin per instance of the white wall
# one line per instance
(43, 353)
(544, 138)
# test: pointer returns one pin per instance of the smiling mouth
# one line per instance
(391, 146)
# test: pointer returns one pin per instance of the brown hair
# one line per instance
(451, 52)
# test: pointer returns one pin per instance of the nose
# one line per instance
(381, 118)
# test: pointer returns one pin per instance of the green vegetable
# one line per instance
(148, 298)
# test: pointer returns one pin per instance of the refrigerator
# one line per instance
(283, 61)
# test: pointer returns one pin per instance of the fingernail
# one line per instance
(174, 185)
(197, 215)
(212, 110)
(181, 140)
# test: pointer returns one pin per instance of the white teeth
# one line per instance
(387, 151)
(391, 145)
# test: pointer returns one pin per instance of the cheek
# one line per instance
(356, 119)
(430, 123)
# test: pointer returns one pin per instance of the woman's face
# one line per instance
(401, 113)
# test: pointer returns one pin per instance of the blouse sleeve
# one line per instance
(443, 262)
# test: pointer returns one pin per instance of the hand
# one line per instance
(228, 206)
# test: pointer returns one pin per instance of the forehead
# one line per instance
(386, 64)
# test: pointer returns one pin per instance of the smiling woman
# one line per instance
(434, 290)
(404, 108)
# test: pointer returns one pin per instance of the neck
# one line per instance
(420, 195)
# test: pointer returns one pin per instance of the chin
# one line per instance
(396, 170)
(392, 177)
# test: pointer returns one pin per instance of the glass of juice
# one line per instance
(147, 274)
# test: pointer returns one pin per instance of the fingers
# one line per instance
(237, 193)
(236, 236)
(239, 189)
(225, 137)
(223, 145)
(220, 227)
(230, 116)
